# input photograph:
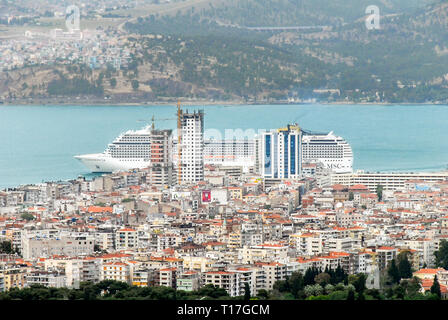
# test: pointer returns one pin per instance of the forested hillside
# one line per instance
(213, 53)
(404, 61)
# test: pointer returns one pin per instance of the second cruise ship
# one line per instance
(332, 151)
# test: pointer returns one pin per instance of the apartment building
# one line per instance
(202, 264)
(145, 277)
(126, 238)
(189, 281)
(384, 255)
(273, 272)
(13, 276)
(344, 244)
(37, 247)
(52, 279)
(105, 239)
(263, 252)
(165, 241)
(118, 271)
(168, 277)
(307, 244)
(160, 171)
(223, 279)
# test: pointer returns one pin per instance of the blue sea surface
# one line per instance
(37, 143)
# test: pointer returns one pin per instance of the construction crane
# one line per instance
(153, 119)
(313, 133)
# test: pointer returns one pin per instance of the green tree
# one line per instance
(322, 279)
(6, 247)
(296, 284)
(442, 255)
(339, 276)
(374, 293)
(212, 292)
(379, 192)
(113, 82)
(351, 295)
(313, 290)
(435, 288)
(135, 84)
(404, 266)
(412, 288)
(263, 294)
(393, 272)
(361, 296)
(358, 281)
(246, 291)
(27, 216)
(308, 278)
(398, 292)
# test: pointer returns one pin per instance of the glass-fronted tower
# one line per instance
(281, 156)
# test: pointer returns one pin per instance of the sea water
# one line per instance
(37, 143)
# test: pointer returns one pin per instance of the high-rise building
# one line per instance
(160, 170)
(192, 147)
(281, 156)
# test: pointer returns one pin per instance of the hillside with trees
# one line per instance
(211, 54)
(404, 61)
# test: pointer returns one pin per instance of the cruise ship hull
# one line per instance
(344, 165)
(99, 162)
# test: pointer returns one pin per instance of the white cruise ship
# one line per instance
(332, 151)
(130, 150)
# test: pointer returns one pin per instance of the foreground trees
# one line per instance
(442, 255)
(328, 285)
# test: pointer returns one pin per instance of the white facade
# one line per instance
(126, 238)
(226, 153)
(230, 153)
(192, 147)
(37, 247)
(105, 240)
(389, 181)
(118, 271)
(47, 279)
(223, 279)
(308, 245)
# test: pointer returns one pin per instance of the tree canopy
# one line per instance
(442, 255)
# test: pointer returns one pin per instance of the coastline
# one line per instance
(213, 103)
(91, 176)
